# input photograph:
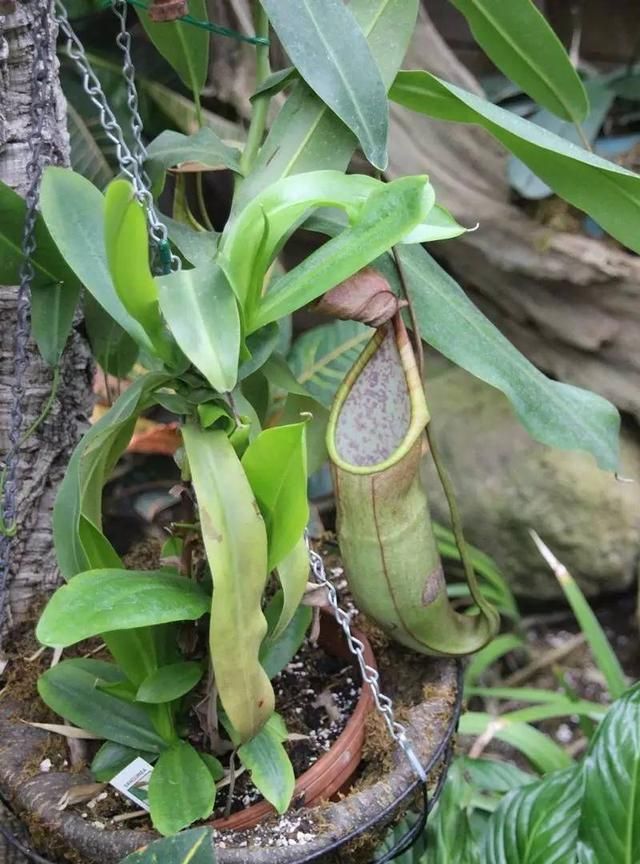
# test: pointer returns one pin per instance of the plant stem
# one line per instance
(261, 103)
(202, 204)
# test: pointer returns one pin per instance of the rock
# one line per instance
(507, 483)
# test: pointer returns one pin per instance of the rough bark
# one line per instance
(570, 303)
(44, 457)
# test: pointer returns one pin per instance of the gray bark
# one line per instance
(44, 457)
(570, 303)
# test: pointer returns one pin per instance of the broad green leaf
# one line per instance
(202, 313)
(449, 838)
(87, 157)
(78, 232)
(185, 48)
(171, 148)
(608, 192)
(439, 225)
(214, 766)
(49, 265)
(170, 682)
(554, 413)
(276, 466)
(278, 650)
(111, 758)
(517, 37)
(260, 346)
(267, 762)
(198, 247)
(113, 348)
(189, 847)
(181, 789)
(276, 82)
(601, 97)
(493, 775)
(127, 246)
(307, 135)
(543, 753)
(537, 824)
(70, 690)
(331, 53)
(609, 829)
(235, 541)
(99, 601)
(388, 215)
(321, 357)
(52, 311)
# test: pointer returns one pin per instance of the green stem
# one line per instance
(202, 203)
(456, 525)
(260, 103)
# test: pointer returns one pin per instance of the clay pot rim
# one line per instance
(328, 765)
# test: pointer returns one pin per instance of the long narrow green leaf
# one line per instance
(516, 694)
(87, 157)
(269, 765)
(543, 753)
(601, 649)
(606, 191)
(517, 37)
(307, 135)
(185, 48)
(554, 413)
(487, 656)
(204, 147)
(330, 52)
(236, 545)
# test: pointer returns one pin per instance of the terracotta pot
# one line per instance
(332, 772)
(355, 822)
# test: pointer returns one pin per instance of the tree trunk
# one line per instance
(44, 456)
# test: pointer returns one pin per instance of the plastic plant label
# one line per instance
(133, 781)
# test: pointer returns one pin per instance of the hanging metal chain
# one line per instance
(369, 675)
(131, 163)
(41, 97)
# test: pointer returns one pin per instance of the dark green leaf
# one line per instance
(541, 750)
(169, 682)
(214, 766)
(554, 413)
(181, 789)
(276, 82)
(306, 135)
(601, 97)
(608, 192)
(198, 247)
(609, 830)
(276, 653)
(537, 824)
(517, 37)
(202, 313)
(321, 357)
(113, 348)
(70, 690)
(111, 758)
(189, 847)
(52, 311)
(99, 601)
(173, 148)
(48, 264)
(330, 52)
(261, 346)
(493, 775)
(268, 764)
(185, 47)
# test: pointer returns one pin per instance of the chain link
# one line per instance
(369, 675)
(130, 161)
